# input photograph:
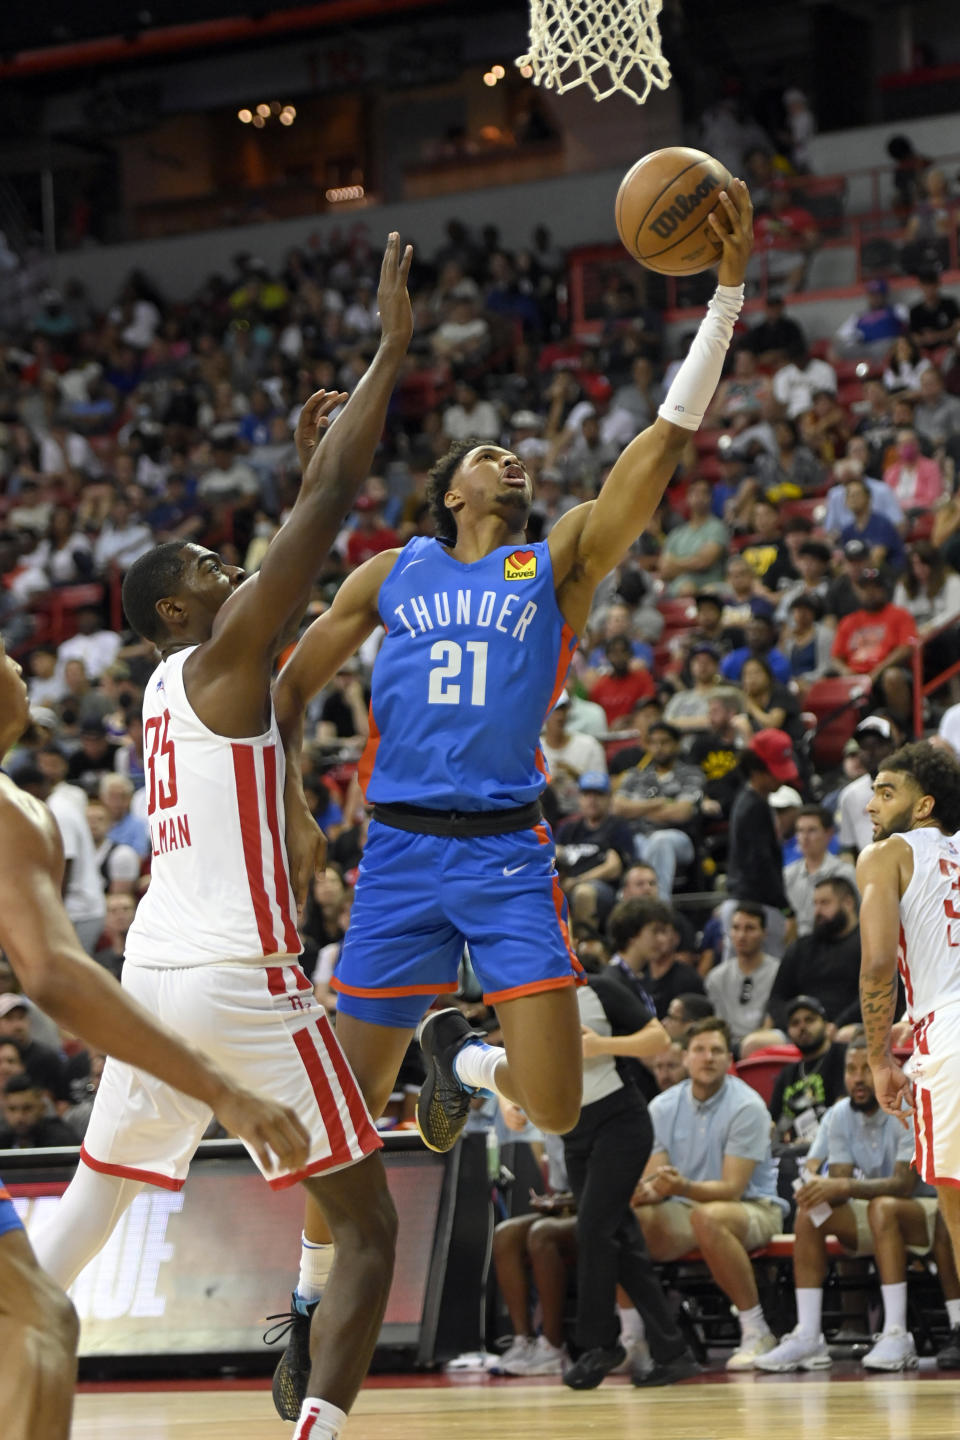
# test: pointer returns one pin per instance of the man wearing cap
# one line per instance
(786, 804)
(875, 641)
(825, 963)
(761, 642)
(662, 801)
(881, 537)
(877, 736)
(814, 831)
(569, 753)
(806, 1088)
(708, 629)
(41, 1062)
(754, 862)
(843, 597)
(593, 850)
(688, 709)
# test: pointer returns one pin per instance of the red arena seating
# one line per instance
(760, 1070)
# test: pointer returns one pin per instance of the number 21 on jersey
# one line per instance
(444, 685)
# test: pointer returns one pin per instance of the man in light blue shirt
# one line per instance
(883, 498)
(710, 1183)
(874, 1204)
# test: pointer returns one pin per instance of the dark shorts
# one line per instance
(420, 898)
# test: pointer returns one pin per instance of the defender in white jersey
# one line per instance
(909, 881)
(214, 945)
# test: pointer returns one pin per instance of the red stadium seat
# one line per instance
(678, 613)
(761, 1069)
(837, 703)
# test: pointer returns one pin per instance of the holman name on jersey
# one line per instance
(422, 613)
(172, 833)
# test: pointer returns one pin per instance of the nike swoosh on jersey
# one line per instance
(515, 869)
(410, 563)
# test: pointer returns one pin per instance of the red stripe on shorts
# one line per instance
(363, 1128)
(302, 982)
(244, 769)
(291, 939)
(329, 1113)
(276, 979)
(930, 1168)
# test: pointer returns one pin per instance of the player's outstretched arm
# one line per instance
(324, 647)
(336, 461)
(80, 995)
(590, 541)
(880, 881)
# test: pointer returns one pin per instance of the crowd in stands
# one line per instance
(705, 836)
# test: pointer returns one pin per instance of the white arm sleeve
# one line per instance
(686, 401)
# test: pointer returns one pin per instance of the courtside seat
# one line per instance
(760, 1070)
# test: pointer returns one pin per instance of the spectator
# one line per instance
(77, 1116)
(877, 533)
(768, 705)
(712, 1187)
(814, 832)
(806, 1088)
(916, 480)
(643, 937)
(807, 641)
(668, 1067)
(692, 555)
(905, 366)
(883, 500)
(934, 320)
(877, 737)
(761, 645)
(708, 629)
(121, 906)
(870, 332)
(662, 802)
(371, 534)
(463, 337)
(875, 642)
(624, 682)
(877, 1207)
(82, 887)
(765, 552)
(741, 600)
(96, 646)
(470, 416)
(718, 750)
(754, 863)
(786, 237)
(119, 864)
(796, 383)
(688, 710)
(619, 620)
(640, 883)
(11, 1062)
(794, 470)
(116, 794)
(684, 1011)
(745, 391)
(824, 964)
(937, 417)
(125, 536)
(875, 421)
(931, 594)
(927, 235)
(25, 1125)
(227, 479)
(776, 336)
(739, 987)
(41, 1062)
(593, 850)
(635, 752)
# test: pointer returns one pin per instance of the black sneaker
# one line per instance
(292, 1375)
(443, 1104)
(593, 1367)
(949, 1357)
(668, 1372)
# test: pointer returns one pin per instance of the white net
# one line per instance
(609, 45)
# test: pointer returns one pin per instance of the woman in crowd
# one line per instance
(769, 705)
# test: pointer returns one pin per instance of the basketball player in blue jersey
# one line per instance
(480, 629)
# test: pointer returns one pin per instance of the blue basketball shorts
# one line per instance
(9, 1219)
(420, 898)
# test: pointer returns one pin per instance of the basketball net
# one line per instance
(600, 43)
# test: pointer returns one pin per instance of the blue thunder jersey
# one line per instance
(473, 659)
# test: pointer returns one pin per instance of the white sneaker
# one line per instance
(542, 1359)
(796, 1351)
(521, 1347)
(894, 1350)
(750, 1347)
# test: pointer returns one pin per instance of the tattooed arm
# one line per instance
(883, 872)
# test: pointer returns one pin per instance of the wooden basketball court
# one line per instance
(848, 1406)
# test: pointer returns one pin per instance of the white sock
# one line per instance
(315, 1264)
(631, 1325)
(809, 1311)
(752, 1322)
(476, 1064)
(894, 1306)
(319, 1421)
(953, 1312)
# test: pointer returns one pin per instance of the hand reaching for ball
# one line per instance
(732, 223)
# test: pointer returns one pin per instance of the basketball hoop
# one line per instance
(600, 43)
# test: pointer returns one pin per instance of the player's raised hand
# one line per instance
(314, 420)
(393, 301)
(272, 1131)
(894, 1091)
(732, 223)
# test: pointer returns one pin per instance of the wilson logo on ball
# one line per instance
(521, 565)
(668, 220)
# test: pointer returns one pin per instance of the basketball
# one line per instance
(662, 208)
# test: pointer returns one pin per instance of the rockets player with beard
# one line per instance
(213, 948)
(909, 881)
(480, 630)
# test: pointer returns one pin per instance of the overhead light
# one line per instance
(497, 70)
(344, 192)
(526, 71)
(489, 78)
(275, 107)
(263, 110)
(259, 121)
(286, 118)
(245, 116)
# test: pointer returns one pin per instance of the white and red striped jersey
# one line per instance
(219, 882)
(929, 950)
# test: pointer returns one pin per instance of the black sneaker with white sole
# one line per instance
(444, 1103)
(292, 1375)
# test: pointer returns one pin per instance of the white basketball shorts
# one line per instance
(263, 1026)
(934, 1068)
